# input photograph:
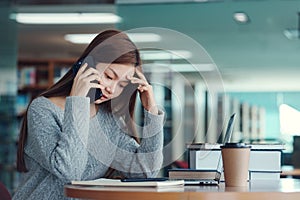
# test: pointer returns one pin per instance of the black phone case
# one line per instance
(94, 93)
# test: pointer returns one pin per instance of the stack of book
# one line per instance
(265, 159)
(193, 174)
(265, 162)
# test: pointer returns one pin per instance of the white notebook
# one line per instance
(119, 183)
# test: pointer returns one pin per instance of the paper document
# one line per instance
(119, 183)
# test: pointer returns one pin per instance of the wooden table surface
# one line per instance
(283, 189)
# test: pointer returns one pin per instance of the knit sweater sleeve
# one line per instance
(58, 146)
(144, 159)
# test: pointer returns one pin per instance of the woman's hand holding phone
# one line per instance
(85, 80)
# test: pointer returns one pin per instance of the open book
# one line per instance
(119, 183)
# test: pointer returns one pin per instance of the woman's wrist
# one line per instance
(153, 110)
(151, 106)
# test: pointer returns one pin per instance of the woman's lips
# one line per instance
(104, 97)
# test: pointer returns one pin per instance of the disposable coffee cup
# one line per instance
(235, 158)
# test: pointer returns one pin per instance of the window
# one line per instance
(289, 120)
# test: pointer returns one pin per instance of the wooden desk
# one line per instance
(283, 189)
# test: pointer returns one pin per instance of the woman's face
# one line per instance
(114, 78)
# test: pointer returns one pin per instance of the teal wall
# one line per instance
(270, 101)
(8, 50)
(211, 25)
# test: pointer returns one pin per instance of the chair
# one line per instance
(4, 193)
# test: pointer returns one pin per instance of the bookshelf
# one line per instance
(36, 75)
(8, 141)
(250, 119)
(162, 86)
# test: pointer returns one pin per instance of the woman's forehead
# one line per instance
(119, 69)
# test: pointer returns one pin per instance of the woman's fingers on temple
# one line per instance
(135, 80)
(140, 74)
(138, 81)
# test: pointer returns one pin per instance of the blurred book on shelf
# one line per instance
(26, 76)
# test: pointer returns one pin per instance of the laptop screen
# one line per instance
(226, 139)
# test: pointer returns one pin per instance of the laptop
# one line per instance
(219, 170)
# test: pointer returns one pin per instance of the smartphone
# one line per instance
(144, 179)
(94, 93)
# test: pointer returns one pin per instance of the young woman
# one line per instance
(69, 134)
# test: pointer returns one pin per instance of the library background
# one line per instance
(194, 114)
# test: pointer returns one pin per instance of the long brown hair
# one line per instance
(110, 46)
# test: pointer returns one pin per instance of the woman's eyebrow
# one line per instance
(115, 73)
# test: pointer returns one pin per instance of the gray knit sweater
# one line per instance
(65, 145)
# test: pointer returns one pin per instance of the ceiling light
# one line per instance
(291, 33)
(161, 67)
(135, 37)
(241, 17)
(80, 38)
(66, 18)
(144, 37)
(166, 55)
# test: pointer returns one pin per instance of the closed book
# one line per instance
(198, 146)
(268, 146)
(187, 174)
(263, 160)
(264, 175)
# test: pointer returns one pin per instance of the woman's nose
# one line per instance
(111, 88)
